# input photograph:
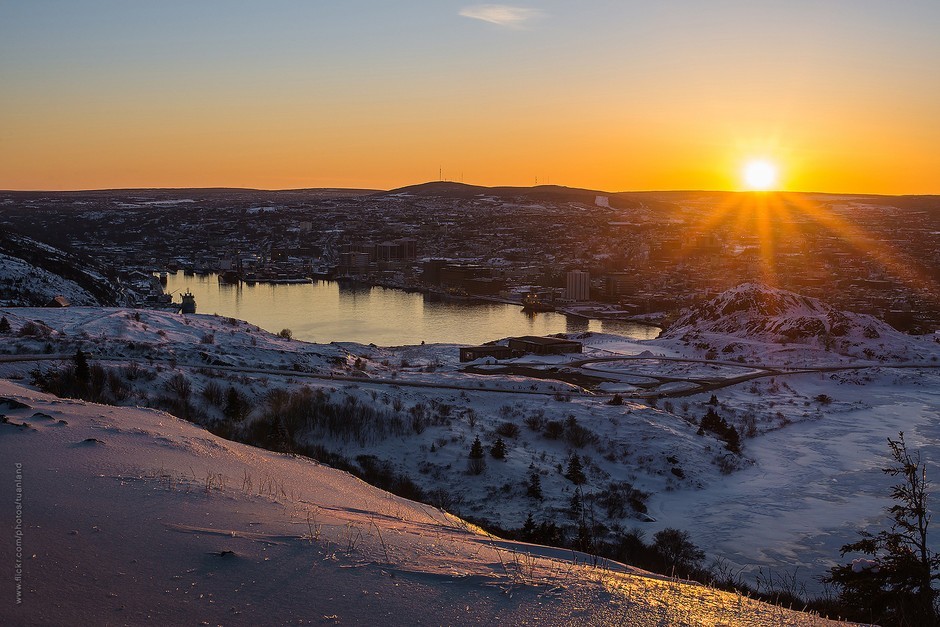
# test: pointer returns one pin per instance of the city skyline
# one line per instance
(836, 96)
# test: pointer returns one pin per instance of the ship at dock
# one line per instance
(188, 306)
(532, 303)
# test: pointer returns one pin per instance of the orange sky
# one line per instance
(623, 97)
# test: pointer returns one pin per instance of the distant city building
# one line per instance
(404, 249)
(353, 262)
(523, 345)
(620, 284)
(471, 278)
(408, 247)
(496, 351)
(578, 285)
(359, 247)
(431, 270)
(388, 251)
(535, 345)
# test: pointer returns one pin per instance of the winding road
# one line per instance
(699, 384)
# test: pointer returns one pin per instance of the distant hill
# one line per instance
(538, 193)
(660, 200)
(33, 273)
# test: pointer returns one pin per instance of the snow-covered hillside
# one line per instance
(132, 516)
(812, 425)
(410, 412)
(33, 273)
(22, 283)
(750, 320)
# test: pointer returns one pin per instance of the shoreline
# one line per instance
(439, 294)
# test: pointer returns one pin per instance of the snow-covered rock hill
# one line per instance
(131, 516)
(33, 273)
(748, 320)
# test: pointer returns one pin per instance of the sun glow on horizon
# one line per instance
(760, 175)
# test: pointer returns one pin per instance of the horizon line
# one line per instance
(379, 190)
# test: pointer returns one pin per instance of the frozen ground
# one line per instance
(812, 442)
(813, 484)
(131, 516)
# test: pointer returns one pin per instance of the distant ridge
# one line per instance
(338, 191)
(553, 193)
(462, 190)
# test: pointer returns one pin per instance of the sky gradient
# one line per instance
(843, 95)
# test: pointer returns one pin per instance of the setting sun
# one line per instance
(760, 175)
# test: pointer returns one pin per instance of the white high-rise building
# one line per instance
(579, 285)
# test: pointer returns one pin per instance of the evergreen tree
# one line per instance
(896, 586)
(498, 450)
(476, 462)
(4, 325)
(585, 541)
(575, 472)
(714, 423)
(534, 489)
(576, 505)
(236, 408)
(82, 371)
(527, 534)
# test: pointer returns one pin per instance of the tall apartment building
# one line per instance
(578, 285)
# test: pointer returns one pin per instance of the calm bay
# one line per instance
(327, 311)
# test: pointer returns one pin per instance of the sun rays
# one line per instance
(770, 235)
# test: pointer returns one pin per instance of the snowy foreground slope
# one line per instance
(132, 516)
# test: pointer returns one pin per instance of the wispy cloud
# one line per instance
(501, 14)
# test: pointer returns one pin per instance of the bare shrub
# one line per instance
(471, 415)
(120, 390)
(418, 417)
(578, 436)
(179, 386)
(214, 394)
(535, 421)
(554, 429)
(34, 329)
(303, 414)
(132, 371)
(621, 499)
(508, 430)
